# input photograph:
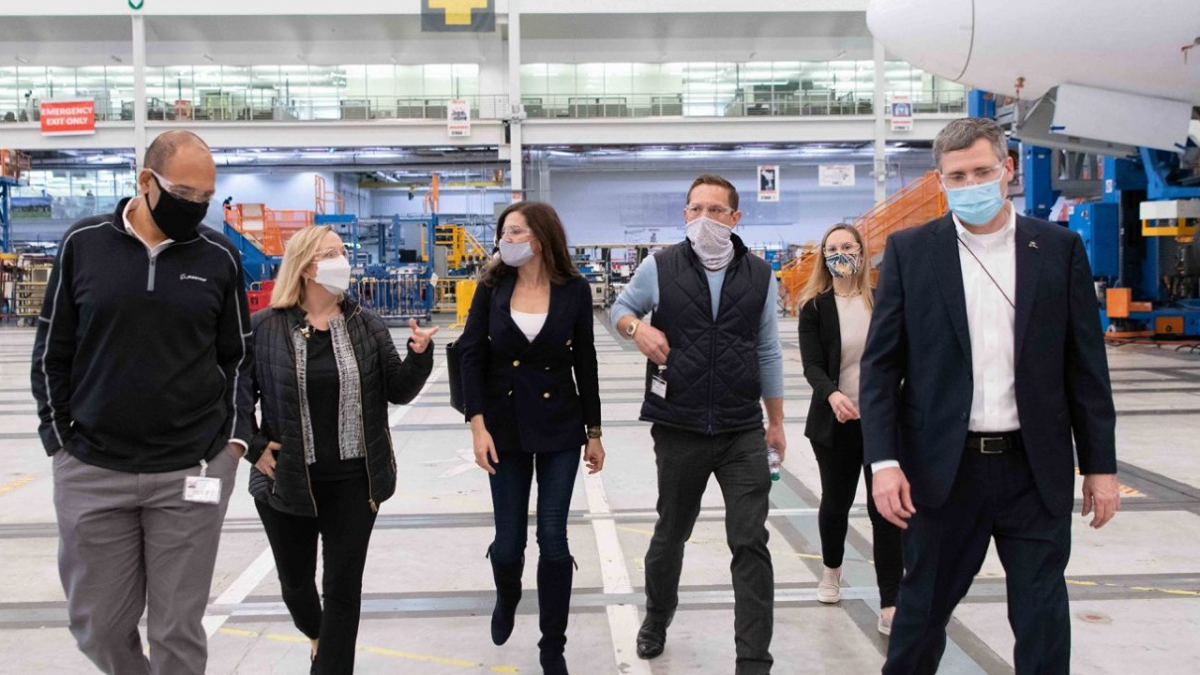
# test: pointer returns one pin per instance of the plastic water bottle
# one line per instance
(773, 462)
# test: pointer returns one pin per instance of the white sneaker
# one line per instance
(885, 625)
(829, 591)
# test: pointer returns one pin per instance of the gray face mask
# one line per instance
(711, 241)
(515, 255)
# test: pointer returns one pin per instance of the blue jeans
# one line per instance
(510, 501)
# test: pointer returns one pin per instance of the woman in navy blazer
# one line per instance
(532, 395)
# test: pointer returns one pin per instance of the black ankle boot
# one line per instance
(508, 593)
(554, 606)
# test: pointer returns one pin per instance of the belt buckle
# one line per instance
(983, 443)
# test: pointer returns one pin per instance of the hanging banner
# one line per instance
(902, 113)
(68, 118)
(768, 183)
(458, 118)
(835, 175)
(458, 16)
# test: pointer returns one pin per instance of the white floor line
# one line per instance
(248, 580)
(399, 413)
(241, 587)
(623, 621)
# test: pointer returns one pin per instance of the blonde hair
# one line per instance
(821, 281)
(300, 252)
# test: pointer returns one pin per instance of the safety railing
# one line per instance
(268, 229)
(404, 296)
(920, 201)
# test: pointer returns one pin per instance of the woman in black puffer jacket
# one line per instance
(325, 370)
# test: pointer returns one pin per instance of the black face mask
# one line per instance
(177, 218)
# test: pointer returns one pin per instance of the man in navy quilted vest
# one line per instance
(712, 349)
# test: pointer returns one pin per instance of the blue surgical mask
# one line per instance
(976, 204)
(842, 265)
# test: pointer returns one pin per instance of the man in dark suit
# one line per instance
(984, 357)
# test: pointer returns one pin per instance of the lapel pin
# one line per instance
(1033, 244)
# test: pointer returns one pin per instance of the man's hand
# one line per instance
(893, 496)
(776, 439)
(1102, 494)
(652, 342)
(843, 407)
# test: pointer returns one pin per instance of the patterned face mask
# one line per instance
(843, 265)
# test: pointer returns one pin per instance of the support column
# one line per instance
(880, 109)
(139, 90)
(517, 115)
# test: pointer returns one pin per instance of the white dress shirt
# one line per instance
(991, 321)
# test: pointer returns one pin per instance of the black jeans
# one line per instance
(511, 485)
(739, 460)
(840, 467)
(994, 496)
(344, 522)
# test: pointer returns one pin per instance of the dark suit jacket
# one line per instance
(821, 354)
(916, 383)
(525, 391)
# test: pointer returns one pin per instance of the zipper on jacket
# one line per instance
(150, 280)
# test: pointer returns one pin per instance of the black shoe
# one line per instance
(508, 593)
(652, 637)
(554, 607)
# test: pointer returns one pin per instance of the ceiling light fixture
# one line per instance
(22, 60)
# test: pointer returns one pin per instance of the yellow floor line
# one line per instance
(1141, 589)
(14, 484)
(378, 651)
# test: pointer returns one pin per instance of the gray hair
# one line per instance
(166, 144)
(962, 133)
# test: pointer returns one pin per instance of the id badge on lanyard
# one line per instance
(202, 489)
(658, 383)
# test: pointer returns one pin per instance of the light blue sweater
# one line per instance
(640, 298)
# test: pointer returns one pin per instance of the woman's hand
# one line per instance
(420, 339)
(485, 448)
(842, 407)
(266, 463)
(593, 455)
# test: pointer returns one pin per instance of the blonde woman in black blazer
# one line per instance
(835, 311)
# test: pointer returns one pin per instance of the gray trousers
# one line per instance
(685, 461)
(128, 542)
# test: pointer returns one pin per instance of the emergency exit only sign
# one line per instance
(68, 118)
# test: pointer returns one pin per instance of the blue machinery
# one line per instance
(6, 214)
(396, 282)
(1140, 237)
(399, 282)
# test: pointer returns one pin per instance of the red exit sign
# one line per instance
(64, 118)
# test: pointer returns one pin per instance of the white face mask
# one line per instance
(334, 274)
(711, 241)
(515, 255)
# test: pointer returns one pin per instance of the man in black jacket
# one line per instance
(983, 358)
(142, 377)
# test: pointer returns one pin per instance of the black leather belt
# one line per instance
(993, 443)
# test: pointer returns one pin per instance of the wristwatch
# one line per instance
(632, 328)
(595, 432)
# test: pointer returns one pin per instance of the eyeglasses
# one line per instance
(849, 248)
(696, 210)
(960, 179)
(330, 254)
(514, 231)
(183, 192)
